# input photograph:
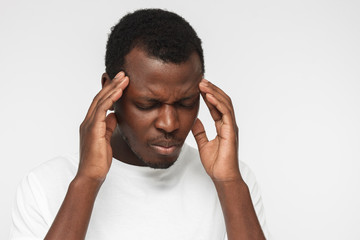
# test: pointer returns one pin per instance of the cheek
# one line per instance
(133, 123)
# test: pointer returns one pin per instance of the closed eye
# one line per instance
(186, 104)
(190, 106)
(145, 107)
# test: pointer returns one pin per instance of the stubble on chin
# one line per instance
(154, 165)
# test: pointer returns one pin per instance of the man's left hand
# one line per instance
(220, 155)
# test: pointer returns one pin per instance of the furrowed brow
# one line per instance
(190, 97)
(148, 99)
(154, 100)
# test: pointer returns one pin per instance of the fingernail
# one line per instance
(119, 75)
(209, 95)
(204, 80)
(203, 83)
(126, 77)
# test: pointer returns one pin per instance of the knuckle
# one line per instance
(96, 98)
(227, 110)
(200, 135)
(101, 106)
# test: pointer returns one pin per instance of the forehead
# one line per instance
(151, 77)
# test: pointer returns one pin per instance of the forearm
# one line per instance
(239, 213)
(73, 217)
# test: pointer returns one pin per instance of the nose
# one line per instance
(167, 120)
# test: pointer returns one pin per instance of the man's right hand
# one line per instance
(96, 131)
(73, 217)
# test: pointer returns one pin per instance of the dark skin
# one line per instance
(151, 121)
(155, 118)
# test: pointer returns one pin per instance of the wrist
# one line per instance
(84, 182)
(230, 184)
(227, 177)
(93, 174)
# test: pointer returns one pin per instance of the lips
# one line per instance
(165, 147)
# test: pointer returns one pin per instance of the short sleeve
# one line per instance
(30, 213)
(255, 194)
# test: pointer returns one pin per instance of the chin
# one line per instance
(150, 157)
(160, 165)
(159, 161)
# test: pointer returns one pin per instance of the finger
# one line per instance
(122, 84)
(105, 104)
(108, 87)
(104, 91)
(208, 87)
(215, 114)
(225, 111)
(110, 126)
(199, 134)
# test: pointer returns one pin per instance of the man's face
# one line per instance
(159, 107)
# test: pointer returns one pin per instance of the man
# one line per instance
(135, 178)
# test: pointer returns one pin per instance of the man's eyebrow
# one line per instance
(149, 99)
(190, 97)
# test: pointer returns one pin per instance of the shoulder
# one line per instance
(39, 195)
(60, 167)
(51, 178)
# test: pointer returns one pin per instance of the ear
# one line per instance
(105, 80)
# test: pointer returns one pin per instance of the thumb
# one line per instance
(199, 133)
(110, 126)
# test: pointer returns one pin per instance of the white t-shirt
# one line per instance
(134, 202)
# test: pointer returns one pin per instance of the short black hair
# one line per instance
(162, 34)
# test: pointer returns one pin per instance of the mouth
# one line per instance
(166, 148)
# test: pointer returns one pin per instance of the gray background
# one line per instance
(291, 68)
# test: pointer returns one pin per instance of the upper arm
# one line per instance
(30, 217)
